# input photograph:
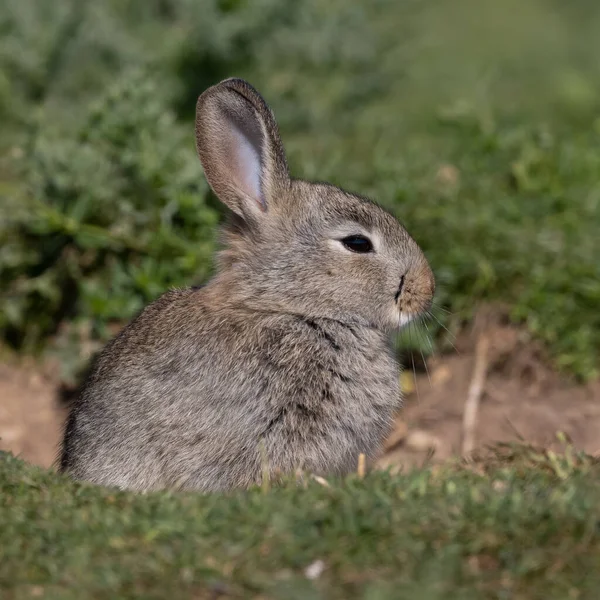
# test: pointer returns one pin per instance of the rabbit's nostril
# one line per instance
(400, 288)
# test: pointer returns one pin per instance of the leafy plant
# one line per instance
(116, 213)
(479, 129)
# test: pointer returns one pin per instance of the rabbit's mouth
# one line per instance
(400, 288)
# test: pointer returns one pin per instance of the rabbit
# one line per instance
(283, 360)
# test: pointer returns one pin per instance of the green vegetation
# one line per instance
(476, 122)
(526, 526)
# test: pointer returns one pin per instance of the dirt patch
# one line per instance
(31, 416)
(521, 399)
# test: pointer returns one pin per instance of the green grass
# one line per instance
(522, 525)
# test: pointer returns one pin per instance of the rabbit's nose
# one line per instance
(415, 290)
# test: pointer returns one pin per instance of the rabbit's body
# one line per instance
(167, 407)
(282, 360)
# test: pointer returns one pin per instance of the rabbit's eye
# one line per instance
(358, 243)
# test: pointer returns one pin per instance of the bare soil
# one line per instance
(31, 414)
(522, 399)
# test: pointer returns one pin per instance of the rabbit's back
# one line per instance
(198, 397)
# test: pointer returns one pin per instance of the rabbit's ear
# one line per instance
(240, 149)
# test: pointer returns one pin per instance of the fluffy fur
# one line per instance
(282, 360)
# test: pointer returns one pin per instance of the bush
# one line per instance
(478, 129)
(116, 214)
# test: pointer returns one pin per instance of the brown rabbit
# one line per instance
(283, 358)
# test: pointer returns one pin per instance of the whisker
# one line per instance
(423, 338)
(450, 334)
(426, 367)
(440, 307)
(412, 360)
(428, 339)
(429, 313)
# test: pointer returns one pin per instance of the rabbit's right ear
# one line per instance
(240, 149)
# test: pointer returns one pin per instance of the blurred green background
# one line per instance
(476, 122)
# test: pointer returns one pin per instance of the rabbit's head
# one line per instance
(295, 246)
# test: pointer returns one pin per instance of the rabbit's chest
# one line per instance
(326, 423)
(337, 402)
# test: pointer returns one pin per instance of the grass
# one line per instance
(519, 524)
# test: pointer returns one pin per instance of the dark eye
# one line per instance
(358, 243)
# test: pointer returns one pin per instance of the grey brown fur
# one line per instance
(282, 360)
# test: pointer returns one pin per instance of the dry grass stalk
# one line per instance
(361, 465)
(476, 389)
